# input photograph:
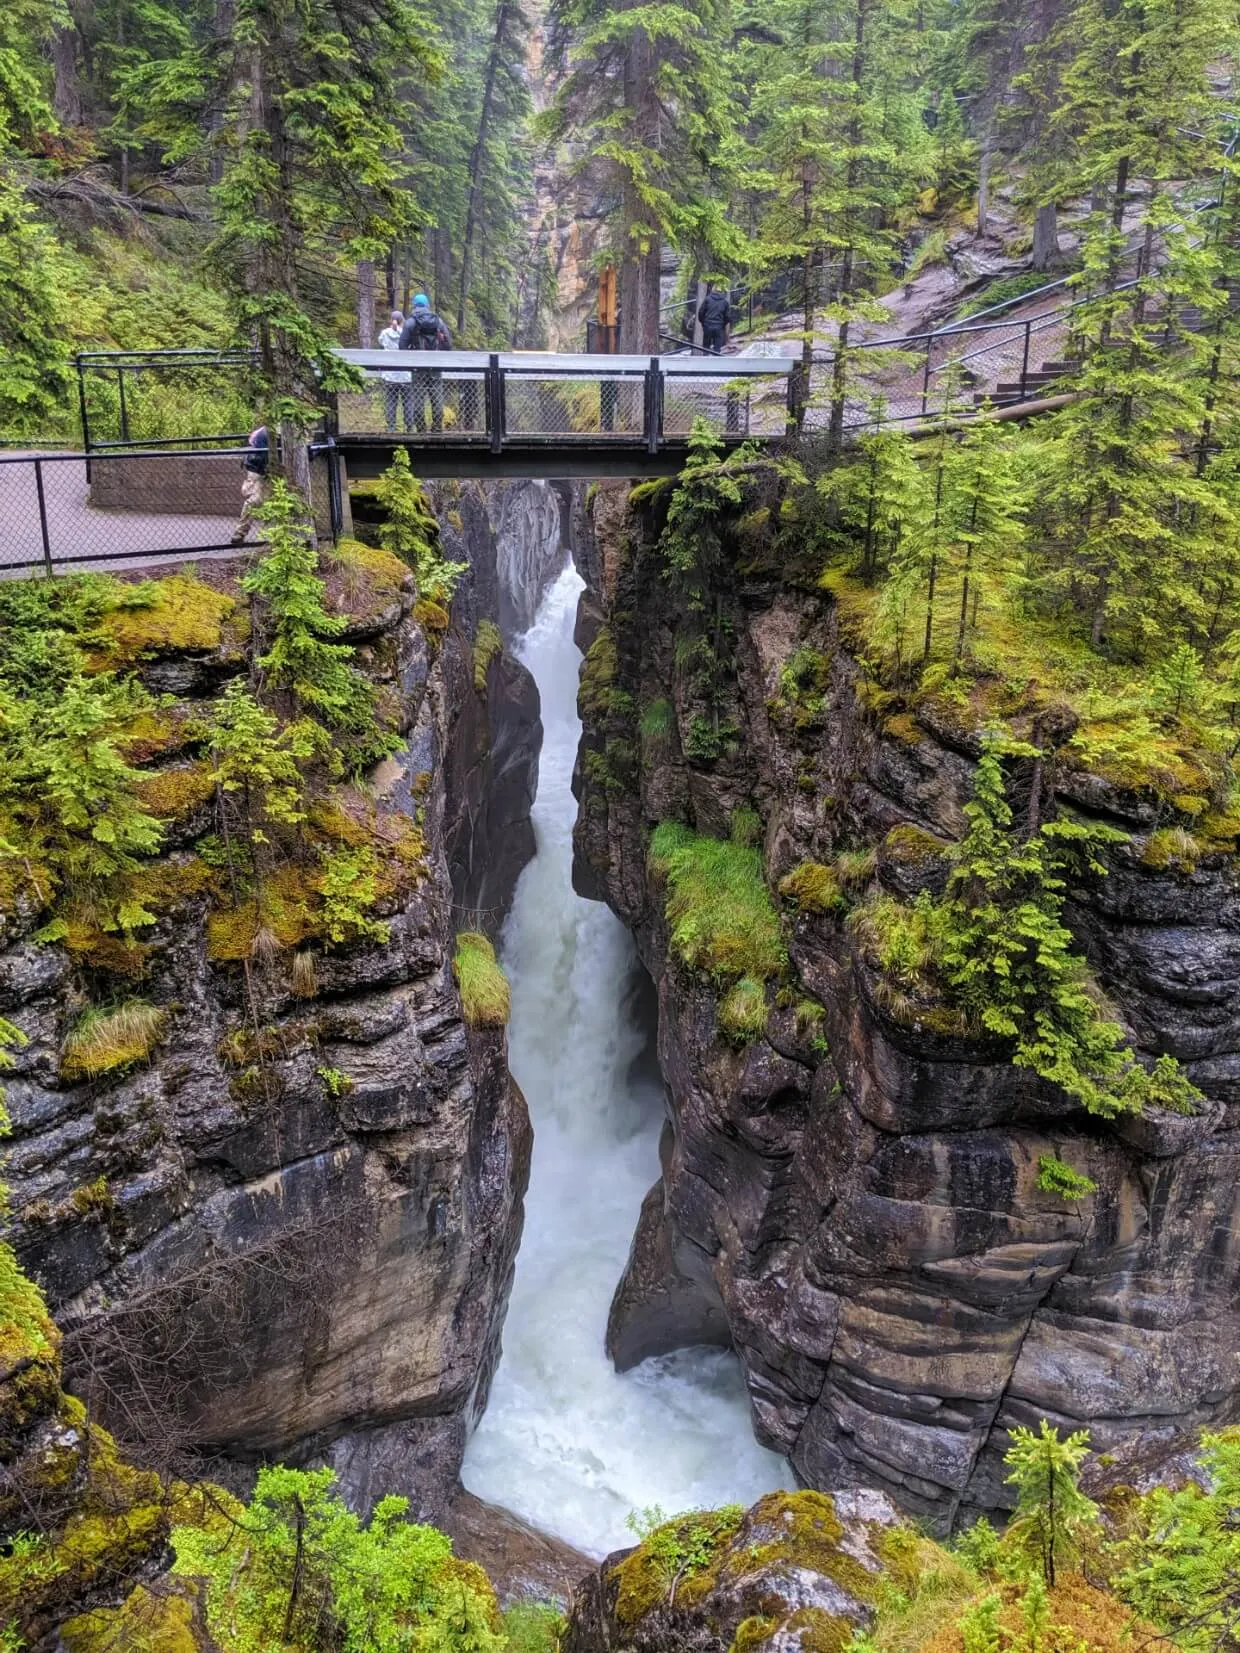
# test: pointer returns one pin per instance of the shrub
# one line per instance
(533, 1627)
(108, 1041)
(1056, 1176)
(485, 995)
(410, 532)
(299, 1564)
(722, 919)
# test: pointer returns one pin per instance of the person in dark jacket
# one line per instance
(253, 480)
(715, 315)
(426, 331)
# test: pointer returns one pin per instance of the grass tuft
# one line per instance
(722, 919)
(742, 1011)
(106, 1041)
(485, 995)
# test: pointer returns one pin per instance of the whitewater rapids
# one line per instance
(566, 1442)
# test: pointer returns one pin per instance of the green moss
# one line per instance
(902, 726)
(172, 794)
(433, 617)
(372, 576)
(599, 694)
(820, 1632)
(488, 646)
(813, 887)
(742, 1010)
(1171, 849)
(179, 613)
(855, 868)
(485, 996)
(912, 846)
(722, 919)
(110, 1041)
(94, 1199)
(679, 1557)
(752, 1633)
(162, 1619)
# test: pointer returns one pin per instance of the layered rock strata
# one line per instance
(856, 1198)
(294, 1241)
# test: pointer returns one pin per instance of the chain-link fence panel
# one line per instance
(415, 401)
(568, 405)
(747, 405)
(63, 513)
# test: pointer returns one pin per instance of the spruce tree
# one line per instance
(1052, 1513)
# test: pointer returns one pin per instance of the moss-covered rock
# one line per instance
(800, 1570)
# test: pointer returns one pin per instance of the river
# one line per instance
(566, 1442)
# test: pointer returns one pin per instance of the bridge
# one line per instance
(158, 472)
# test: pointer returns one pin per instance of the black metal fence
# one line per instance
(135, 398)
(63, 514)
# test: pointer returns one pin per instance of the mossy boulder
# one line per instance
(799, 1572)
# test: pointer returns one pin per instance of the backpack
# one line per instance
(431, 331)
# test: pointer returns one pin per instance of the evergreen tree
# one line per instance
(1052, 1513)
(645, 97)
(308, 143)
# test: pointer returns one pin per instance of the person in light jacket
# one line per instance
(397, 387)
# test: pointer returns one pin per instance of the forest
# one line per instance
(1050, 595)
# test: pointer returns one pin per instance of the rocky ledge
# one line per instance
(283, 1224)
(852, 1191)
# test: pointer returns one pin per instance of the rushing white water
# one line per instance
(566, 1442)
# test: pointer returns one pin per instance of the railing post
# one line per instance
(495, 403)
(120, 381)
(654, 404)
(925, 379)
(47, 544)
(82, 410)
(1024, 362)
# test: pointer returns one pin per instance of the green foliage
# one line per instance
(300, 1571)
(488, 646)
(335, 1083)
(1052, 1513)
(301, 656)
(1056, 1176)
(348, 888)
(485, 996)
(719, 910)
(1181, 1566)
(998, 944)
(673, 1549)
(409, 531)
(34, 365)
(979, 1626)
(254, 757)
(532, 1627)
(657, 725)
(813, 887)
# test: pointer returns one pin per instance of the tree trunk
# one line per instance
(641, 255)
(700, 294)
(1046, 237)
(366, 303)
(479, 149)
(225, 16)
(67, 91)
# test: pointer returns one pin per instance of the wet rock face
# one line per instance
(307, 1258)
(510, 535)
(858, 1197)
(797, 1573)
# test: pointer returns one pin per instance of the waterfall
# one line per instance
(566, 1442)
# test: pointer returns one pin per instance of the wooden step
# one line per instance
(1058, 369)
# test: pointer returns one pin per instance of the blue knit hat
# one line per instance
(421, 302)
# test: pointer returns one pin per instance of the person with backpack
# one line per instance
(253, 480)
(426, 331)
(715, 315)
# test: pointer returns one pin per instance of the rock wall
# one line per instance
(302, 1249)
(856, 1200)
